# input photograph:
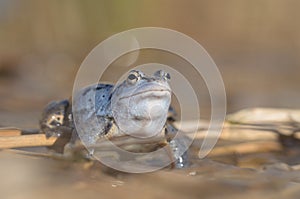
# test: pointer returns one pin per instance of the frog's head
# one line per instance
(53, 118)
(140, 103)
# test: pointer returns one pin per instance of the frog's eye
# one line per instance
(167, 76)
(133, 77)
(162, 74)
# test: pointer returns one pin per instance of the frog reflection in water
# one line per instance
(139, 107)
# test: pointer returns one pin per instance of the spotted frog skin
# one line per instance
(139, 106)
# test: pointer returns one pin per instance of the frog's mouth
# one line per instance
(150, 90)
(150, 93)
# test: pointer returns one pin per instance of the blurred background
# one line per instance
(255, 44)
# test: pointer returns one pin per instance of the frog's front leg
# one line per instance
(178, 145)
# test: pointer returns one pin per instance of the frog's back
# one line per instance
(90, 112)
(93, 98)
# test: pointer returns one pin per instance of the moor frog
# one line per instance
(139, 106)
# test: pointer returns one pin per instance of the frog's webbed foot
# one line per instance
(179, 146)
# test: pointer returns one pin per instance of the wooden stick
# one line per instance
(26, 141)
(10, 132)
